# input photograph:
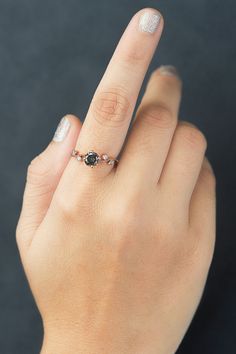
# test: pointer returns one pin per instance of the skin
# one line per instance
(117, 258)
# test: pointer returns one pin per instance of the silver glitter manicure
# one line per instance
(149, 22)
(62, 130)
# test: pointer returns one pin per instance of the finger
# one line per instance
(183, 165)
(202, 214)
(43, 176)
(111, 109)
(147, 146)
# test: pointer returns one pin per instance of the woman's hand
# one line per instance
(117, 256)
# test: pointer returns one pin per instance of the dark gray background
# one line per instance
(52, 55)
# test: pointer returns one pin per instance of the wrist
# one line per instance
(62, 344)
(76, 343)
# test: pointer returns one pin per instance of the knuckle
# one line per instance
(125, 214)
(37, 170)
(39, 178)
(111, 107)
(67, 208)
(193, 136)
(158, 116)
(209, 178)
(24, 231)
(76, 205)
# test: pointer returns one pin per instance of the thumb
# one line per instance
(44, 173)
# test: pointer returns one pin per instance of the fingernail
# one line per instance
(62, 130)
(149, 21)
(168, 70)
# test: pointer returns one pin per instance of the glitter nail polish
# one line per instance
(62, 130)
(149, 21)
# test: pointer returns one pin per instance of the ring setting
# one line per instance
(92, 158)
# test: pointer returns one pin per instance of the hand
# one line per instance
(117, 256)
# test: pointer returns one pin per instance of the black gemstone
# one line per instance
(91, 158)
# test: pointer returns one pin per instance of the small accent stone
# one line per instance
(79, 158)
(105, 157)
(74, 153)
(110, 162)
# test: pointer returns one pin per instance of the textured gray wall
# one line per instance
(52, 55)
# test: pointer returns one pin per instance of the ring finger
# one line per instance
(111, 109)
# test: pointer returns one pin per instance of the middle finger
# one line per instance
(148, 144)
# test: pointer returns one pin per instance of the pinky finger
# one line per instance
(43, 176)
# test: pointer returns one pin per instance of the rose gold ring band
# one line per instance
(92, 158)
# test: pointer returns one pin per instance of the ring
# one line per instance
(92, 158)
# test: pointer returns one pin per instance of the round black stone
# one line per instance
(91, 158)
